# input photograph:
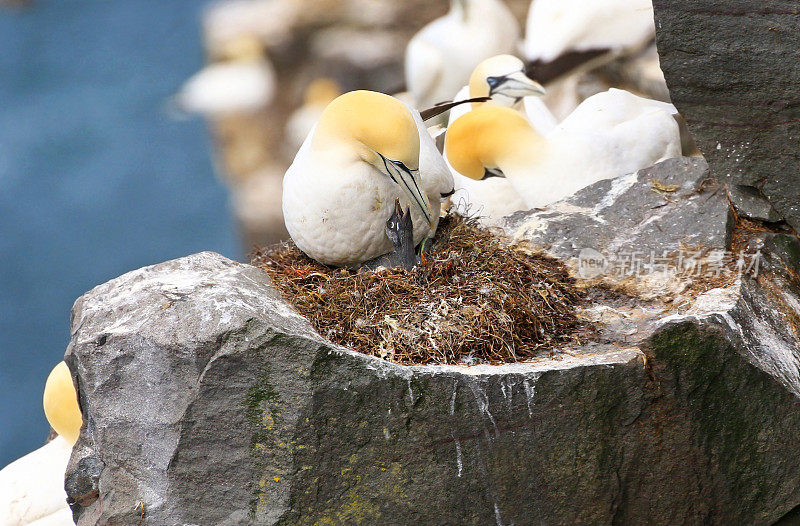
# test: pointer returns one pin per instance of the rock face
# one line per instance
(655, 210)
(173, 364)
(731, 69)
(207, 400)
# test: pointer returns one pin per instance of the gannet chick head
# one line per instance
(502, 77)
(381, 131)
(490, 140)
(60, 403)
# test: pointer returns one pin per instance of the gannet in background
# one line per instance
(319, 93)
(502, 78)
(441, 56)
(271, 22)
(498, 141)
(32, 487)
(244, 83)
(564, 39)
(362, 156)
(557, 27)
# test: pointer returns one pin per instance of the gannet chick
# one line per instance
(339, 192)
(441, 56)
(319, 93)
(244, 83)
(32, 487)
(498, 141)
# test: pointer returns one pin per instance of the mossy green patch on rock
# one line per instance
(730, 404)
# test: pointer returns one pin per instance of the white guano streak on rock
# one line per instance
(622, 356)
(459, 463)
(619, 186)
(530, 390)
(497, 517)
(482, 401)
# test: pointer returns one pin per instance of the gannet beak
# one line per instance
(493, 172)
(515, 86)
(409, 181)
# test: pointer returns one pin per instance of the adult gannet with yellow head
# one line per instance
(32, 487)
(496, 141)
(363, 154)
(60, 402)
(502, 78)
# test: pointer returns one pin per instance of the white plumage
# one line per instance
(228, 88)
(555, 27)
(493, 198)
(338, 193)
(441, 57)
(612, 133)
(433, 169)
(32, 487)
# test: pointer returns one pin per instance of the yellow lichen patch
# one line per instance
(360, 510)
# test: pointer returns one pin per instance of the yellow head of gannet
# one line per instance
(488, 140)
(363, 155)
(381, 131)
(60, 403)
(503, 78)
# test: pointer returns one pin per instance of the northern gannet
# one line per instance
(596, 142)
(60, 403)
(441, 56)
(502, 78)
(362, 156)
(557, 27)
(32, 487)
(243, 83)
(564, 39)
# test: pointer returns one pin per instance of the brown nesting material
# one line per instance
(473, 299)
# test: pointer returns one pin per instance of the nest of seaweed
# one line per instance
(474, 298)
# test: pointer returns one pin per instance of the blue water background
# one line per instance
(95, 178)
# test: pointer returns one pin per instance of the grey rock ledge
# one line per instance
(208, 400)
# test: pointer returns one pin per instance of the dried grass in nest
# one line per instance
(474, 299)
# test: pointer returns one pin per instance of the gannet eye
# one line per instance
(495, 81)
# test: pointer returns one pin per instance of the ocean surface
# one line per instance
(95, 178)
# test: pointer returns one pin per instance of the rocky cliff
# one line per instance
(208, 400)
